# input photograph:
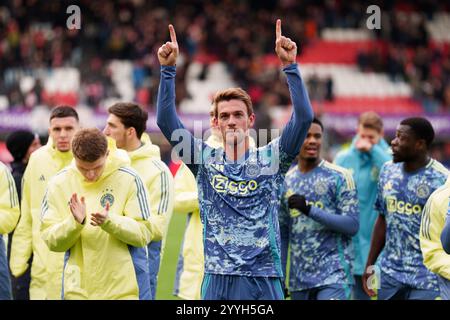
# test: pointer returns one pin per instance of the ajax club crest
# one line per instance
(320, 187)
(423, 191)
(252, 170)
(107, 197)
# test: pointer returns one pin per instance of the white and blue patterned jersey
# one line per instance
(239, 201)
(401, 197)
(319, 255)
(239, 206)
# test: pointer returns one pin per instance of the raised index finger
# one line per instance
(173, 35)
(278, 29)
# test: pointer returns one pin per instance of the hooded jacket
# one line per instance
(9, 202)
(434, 215)
(46, 268)
(158, 180)
(9, 215)
(365, 168)
(156, 176)
(107, 261)
(190, 267)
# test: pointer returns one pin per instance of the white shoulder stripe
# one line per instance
(346, 173)
(141, 192)
(291, 171)
(164, 200)
(436, 165)
(44, 204)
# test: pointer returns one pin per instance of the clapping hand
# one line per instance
(98, 218)
(78, 208)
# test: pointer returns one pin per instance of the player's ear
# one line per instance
(251, 120)
(421, 144)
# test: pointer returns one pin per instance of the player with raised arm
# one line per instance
(239, 186)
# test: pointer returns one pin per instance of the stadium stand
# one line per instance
(403, 68)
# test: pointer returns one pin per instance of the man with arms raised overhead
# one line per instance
(239, 186)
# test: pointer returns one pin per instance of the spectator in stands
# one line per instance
(127, 30)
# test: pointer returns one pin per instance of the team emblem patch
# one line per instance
(252, 170)
(320, 187)
(107, 197)
(423, 191)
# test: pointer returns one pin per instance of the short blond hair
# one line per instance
(232, 94)
(371, 120)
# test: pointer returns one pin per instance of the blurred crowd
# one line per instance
(405, 52)
(34, 39)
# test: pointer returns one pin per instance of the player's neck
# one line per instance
(234, 152)
(305, 166)
(416, 164)
(133, 145)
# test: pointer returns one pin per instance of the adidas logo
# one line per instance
(42, 178)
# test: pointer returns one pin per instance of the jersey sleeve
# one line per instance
(295, 131)
(346, 217)
(188, 148)
(9, 202)
(346, 197)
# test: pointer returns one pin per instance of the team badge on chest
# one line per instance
(252, 169)
(423, 191)
(107, 197)
(320, 187)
